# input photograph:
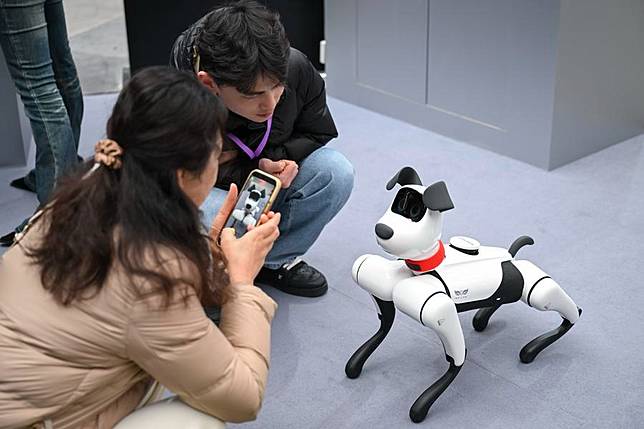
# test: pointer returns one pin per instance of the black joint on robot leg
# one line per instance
(534, 347)
(524, 240)
(387, 313)
(420, 408)
(482, 317)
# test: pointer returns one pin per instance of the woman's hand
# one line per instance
(245, 256)
(285, 170)
(224, 212)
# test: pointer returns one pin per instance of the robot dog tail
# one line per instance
(524, 240)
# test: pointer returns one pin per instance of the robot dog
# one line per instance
(432, 283)
(248, 214)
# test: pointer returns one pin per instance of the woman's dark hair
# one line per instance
(138, 216)
(242, 41)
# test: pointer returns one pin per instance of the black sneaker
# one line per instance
(21, 183)
(7, 239)
(297, 278)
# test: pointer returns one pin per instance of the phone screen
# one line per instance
(250, 204)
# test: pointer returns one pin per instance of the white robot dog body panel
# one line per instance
(432, 282)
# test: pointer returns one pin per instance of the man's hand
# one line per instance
(285, 170)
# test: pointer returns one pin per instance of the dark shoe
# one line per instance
(21, 183)
(297, 278)
(7, 240)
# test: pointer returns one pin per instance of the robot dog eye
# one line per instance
(416, 212)
(401, 205)
(409, 203)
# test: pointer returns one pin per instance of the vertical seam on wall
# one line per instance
(427, 58)
(355, 59)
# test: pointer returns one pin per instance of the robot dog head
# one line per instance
(253, 198)
(412, 226)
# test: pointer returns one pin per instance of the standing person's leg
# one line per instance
(65, 75)
(25, 41)
(64, 66)
(317, 194)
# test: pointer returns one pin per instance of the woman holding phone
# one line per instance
(103, 294)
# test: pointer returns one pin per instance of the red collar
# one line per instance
(430, 263)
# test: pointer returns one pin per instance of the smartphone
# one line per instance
(255, 197)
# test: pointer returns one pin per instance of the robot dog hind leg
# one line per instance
(543, 293)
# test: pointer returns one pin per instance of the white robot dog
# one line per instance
(431, 282)
(248, 213)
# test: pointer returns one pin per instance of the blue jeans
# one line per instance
(317, 194)
(33, 36)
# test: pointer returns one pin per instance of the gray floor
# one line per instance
(98, 40)
(587, 223)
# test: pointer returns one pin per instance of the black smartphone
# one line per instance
(255, 197)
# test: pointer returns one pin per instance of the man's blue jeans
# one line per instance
(317, 194)
(33, 37)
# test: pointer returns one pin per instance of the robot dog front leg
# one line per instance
(378, 276)
(424, 299)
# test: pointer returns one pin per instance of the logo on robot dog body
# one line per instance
(461, 293)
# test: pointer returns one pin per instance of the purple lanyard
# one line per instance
(260, 148)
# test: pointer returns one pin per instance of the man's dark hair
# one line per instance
(164, 120)
(240, 42)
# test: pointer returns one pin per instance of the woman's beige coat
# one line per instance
(87, 365)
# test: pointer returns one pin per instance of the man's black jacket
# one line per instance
(302, 122)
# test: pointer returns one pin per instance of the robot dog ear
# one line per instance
(406, 176)
(437, 198)
(252, 188)
(263, 193)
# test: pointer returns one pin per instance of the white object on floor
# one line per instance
(169, 413)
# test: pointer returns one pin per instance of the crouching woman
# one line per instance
(103, 294)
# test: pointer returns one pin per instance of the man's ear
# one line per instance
(208, 82)
(182, 179)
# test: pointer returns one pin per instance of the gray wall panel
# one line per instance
(478, 62)
(600, 77)
(545, 82)
(340, 19)
(492, 62)
(392, 47)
